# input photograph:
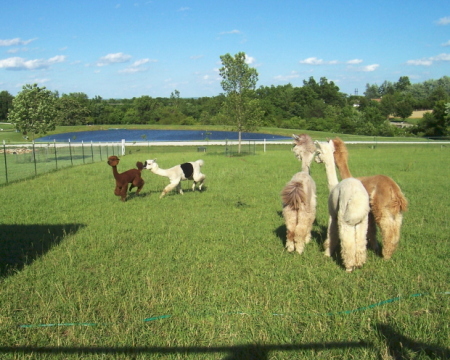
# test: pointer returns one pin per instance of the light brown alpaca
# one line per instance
(387, 203)
(132, 176)
(299, 198)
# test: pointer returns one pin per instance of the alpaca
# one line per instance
(387, 203)
(186, 171)
(132, 176)
(299, 198)
(304, 150)
(348, 207)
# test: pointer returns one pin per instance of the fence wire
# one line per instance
(20, 162)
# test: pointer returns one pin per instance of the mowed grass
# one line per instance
(205, 275)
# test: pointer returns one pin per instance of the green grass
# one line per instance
(214, 261)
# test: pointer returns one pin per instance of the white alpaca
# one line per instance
(186, 171)
(348, 207)
(299, 198)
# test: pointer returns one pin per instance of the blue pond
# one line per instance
(115, 135)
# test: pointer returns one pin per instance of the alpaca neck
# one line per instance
(343, 169)
(115, 172)
(306, 163)
(331, 173)
(156, 170)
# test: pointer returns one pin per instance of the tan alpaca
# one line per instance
(299, 198)
(348, 207)
(387, 203)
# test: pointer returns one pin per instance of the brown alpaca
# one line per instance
(387, 203)
(132, 176)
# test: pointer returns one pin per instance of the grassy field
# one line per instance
(205, 275)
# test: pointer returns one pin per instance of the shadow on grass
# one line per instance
(401, 347)
(20, 245)
(398, 346)
(238, 352)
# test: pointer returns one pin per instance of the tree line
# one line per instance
(316, 105)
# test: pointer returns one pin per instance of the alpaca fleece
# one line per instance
(387, 203)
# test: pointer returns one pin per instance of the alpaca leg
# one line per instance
(361, 243)
(372, 234)
(179, 188)
(290, 218)
(332, 240)
(390, 229)
(301, 232)
(200, 182)
(123, 193)
(311, 217)
(167, 189)
(347, 234)
(139, 185)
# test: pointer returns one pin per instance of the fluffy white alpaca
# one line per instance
(186, 171)
(299, 198)
(348, 207)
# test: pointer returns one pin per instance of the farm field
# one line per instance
(204, 275)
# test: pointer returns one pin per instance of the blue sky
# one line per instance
(125, 49)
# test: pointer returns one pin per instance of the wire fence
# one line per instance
(25, 161)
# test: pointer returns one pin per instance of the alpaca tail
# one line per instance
(200, 162)
(399, 202)
(294, 194)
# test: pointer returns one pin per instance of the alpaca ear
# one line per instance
(295, 136)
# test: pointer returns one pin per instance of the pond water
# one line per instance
(116, 135)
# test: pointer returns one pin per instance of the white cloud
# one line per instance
(18, 63)
(316, 61)
(444, 21)
(354, 61)
(441, 57)
(446, 43)
(137, 66)
(312, 61)
(230, 32)
(423, 62)
(292, 75)
(116, 58)
(196, 57)
(429, 61)
(249, 60)
(370, 68)
(15, 41)
(184, 9)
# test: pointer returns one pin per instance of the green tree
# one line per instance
(402, 84)
(6, 100)
(239, 82)
(71, 112)
(403, 109)
(34, 110)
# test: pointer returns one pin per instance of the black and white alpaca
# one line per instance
(186, 171)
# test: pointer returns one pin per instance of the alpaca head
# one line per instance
(113, 161)
(304, 148)
(324, 151)
(139, 165)
(150, 164)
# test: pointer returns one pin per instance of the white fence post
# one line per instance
(123, 147)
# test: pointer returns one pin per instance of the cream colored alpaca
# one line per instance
(348, 207)
(299, 198)
(387, 203)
